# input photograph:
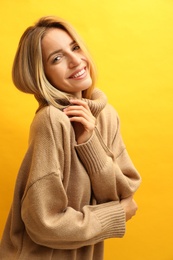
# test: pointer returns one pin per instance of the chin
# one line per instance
(87, 84)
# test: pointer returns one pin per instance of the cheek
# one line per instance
(55, 76)
(51, 73)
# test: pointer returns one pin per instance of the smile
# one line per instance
(78, 74)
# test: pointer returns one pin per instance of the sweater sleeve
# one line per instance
(108, 164)
(48, 218)
(54, 224)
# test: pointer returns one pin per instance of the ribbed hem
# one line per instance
(112, 218)
(92, 154)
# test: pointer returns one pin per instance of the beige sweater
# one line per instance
(66, 199)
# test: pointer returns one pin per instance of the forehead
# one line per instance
(56, 37)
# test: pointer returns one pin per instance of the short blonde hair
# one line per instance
(28, 71)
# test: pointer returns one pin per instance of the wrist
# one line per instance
(84, 138)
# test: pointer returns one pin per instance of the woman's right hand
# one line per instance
(130, 207)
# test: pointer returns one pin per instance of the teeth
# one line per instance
(79, 73)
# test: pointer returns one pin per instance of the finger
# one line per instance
(75, 108)
(81, 117)
(88, 126)
(75, 111)
(80, 112)
(79, 102)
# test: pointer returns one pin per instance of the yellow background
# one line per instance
(132, 43)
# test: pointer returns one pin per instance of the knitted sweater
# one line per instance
(66, 198)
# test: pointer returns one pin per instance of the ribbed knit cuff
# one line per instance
(112, 218)
(93, 153)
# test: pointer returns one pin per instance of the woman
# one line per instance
(76, 183)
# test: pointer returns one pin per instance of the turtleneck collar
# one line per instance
(97, 102)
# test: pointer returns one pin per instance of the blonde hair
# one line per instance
(28, 71)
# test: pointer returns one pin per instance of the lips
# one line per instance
(78, 73)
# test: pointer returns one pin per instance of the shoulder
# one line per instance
(110, 113)
(108, 122)
(49, 118)
(49, 114)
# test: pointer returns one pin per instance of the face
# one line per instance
(65, 65)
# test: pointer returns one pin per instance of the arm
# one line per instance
(48, 218)
(108, 164)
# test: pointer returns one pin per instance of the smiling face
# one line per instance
(65, 65)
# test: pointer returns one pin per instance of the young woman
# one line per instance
(76, 183)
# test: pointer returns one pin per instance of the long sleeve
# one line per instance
(52, 223)
(48, 217)
(108, 164)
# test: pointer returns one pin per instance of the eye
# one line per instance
(57, 59)
(76, 47)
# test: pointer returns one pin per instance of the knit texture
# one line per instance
(66, 198)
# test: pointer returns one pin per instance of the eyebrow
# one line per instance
(60, 50)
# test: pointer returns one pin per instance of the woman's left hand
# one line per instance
(82, 119)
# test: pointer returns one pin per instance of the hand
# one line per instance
(82, 120)
(130, 207)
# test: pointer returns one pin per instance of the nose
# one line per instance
(74, 60)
